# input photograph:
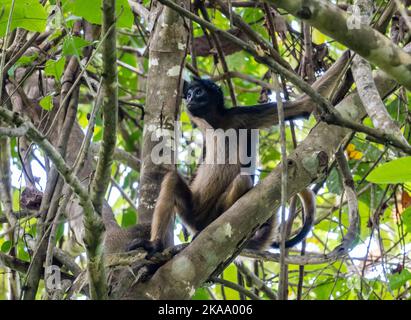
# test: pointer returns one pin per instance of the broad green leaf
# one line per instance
(396, 171)
(22, 252)
(130, 143)
(323, 291)
(22, 62)
(327, 225)
(55, 68)
(128, 218)
(47, 103)
(91, 11)
(249, 15)
(60, 232)
(230, 274)
(82, 119)
(98, 134)
(201, 294)
(72, 46)
(16, 199)
(393, 108)
(27, 14)
(184, 117)
(364, 211)
(27, 60)
(318, 37)
(334, 184)
(126, 77)
(6, 246)
(406, 218)
(399, 279)
(270, 155)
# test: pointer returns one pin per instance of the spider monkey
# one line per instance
(216, 187)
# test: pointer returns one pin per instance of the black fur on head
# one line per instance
(202, 95)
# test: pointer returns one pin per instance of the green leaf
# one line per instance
(22, 62)
(399, 279)
(406, 218)
(396, 171)
(27, 60)
(201, 294)
(91, 11)
(60, 232)
(47, 103)
(72, 46)
(324, 290)
(230, 274)
(334, 183)
(270, 155)
(27, 14)
(55, 68)
(126, 77)
(22, 252)
(128, 218)
(6, 246)
(16, 199)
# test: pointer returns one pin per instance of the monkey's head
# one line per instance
(203, 97)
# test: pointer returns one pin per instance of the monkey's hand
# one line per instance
(152, 247)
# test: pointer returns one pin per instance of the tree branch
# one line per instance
(166, 60)
(34, 135)
(110, 107)
(14, 132)
(93, 225)
(366, 41)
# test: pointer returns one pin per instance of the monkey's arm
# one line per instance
(266, 114)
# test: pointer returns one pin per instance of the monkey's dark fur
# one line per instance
(216, 187)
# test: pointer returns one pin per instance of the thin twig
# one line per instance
(236, 287)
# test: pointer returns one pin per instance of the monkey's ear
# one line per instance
(185, 89)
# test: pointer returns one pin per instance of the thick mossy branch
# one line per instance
(110, 107)
(93, 226)
(13, 263)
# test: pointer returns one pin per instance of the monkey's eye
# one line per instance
(189, 95)
(199, 92)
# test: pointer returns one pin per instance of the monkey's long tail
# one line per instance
(307, 198)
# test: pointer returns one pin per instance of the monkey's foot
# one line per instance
(152, 247)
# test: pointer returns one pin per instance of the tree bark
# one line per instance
(364, 40)
(167, 55)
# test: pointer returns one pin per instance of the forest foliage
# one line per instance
(379, 264)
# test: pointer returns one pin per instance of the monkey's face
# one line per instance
(203, 97)
(198, 101)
